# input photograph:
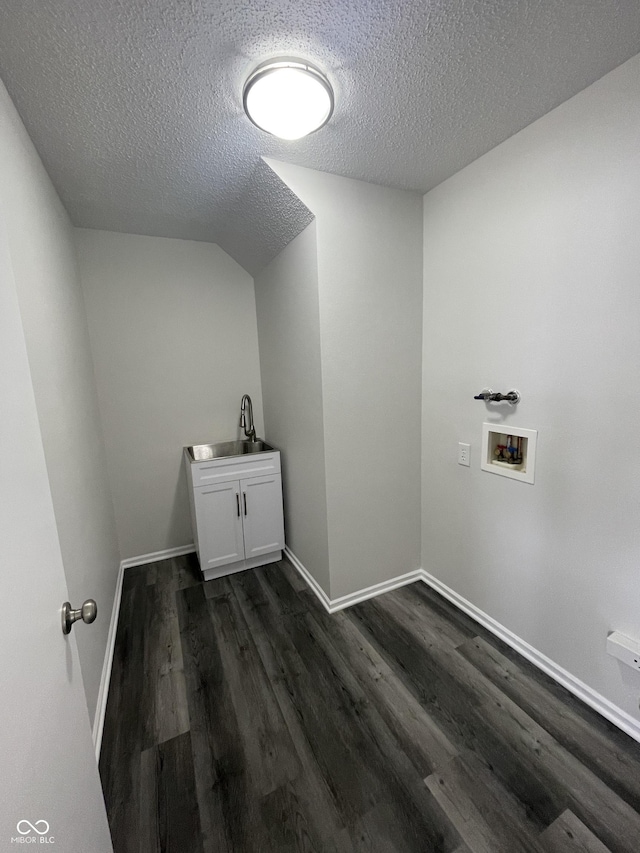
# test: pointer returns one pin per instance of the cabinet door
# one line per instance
(262, 515)
(218, 516)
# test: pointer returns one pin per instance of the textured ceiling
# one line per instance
(135, 105)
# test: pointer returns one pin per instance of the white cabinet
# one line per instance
(262, 519)
(219, 525)
(236, 512)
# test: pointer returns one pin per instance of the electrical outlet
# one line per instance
(463, 454)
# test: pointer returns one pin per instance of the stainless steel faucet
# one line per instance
(250, 430)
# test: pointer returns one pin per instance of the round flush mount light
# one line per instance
(288, 98)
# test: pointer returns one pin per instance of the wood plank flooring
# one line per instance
(242, 718)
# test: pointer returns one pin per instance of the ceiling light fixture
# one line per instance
(288, 98)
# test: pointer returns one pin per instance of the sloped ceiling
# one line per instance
(135, 105)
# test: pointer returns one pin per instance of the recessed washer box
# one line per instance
(509, 451)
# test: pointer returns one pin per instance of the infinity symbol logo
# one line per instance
(32, 828)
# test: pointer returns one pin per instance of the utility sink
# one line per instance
(202, 452)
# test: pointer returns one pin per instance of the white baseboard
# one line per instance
(143, 559)
(311, 581)
(586, 694)
(335, 604)
(372, 591)
(105, 678)
(574, 685)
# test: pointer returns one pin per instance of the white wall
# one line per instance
(51, 305)
(289, 335)
(531, 277)
(173, 332)
(370, 295)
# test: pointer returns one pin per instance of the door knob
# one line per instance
(87, 613)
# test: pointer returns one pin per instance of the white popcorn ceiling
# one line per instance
(135, 105)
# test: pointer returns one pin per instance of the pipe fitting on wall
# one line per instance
(489, 396)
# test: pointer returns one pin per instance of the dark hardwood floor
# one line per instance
(243, 718)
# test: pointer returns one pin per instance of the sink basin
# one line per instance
(202, 452)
